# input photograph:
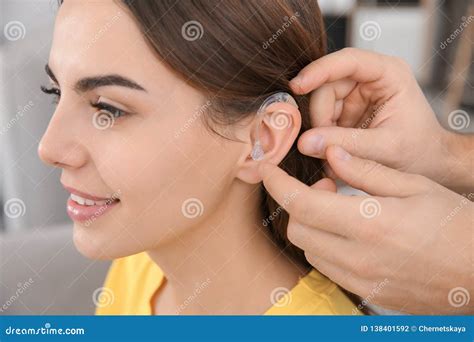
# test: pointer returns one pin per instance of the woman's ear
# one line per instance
(276, 131)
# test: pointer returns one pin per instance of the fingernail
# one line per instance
(316, 144)
(341, 154)
(297, 82)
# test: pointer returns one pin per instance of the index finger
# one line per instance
(320, 209)
(355, 64)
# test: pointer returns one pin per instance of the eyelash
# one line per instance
(52, 91)
(102, 106)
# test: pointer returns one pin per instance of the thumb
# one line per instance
(372, 177)
(356, 141)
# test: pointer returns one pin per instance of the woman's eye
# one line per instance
(52, 91)
(109, 110)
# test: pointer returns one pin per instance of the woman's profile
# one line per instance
(154, 129)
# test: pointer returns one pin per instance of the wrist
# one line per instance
(457, 162)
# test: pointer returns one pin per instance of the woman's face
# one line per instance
(157, 158)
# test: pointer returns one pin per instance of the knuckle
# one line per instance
(401, 63)
(290, 233)
(403, 69)
(302, 209)
(294, 233)
(369, 168)
(312, 259)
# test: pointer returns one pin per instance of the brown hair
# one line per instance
(239, 52)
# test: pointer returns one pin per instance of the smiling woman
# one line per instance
(181, 83)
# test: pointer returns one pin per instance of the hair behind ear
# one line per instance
(306, 169)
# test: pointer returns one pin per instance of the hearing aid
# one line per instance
(257, 150)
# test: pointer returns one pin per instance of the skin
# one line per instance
(155, 170)
(419, 243)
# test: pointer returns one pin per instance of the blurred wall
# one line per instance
(30, 190)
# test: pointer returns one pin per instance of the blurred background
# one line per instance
(40, 271)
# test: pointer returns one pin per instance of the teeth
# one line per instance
(89, 202)
(86, 201)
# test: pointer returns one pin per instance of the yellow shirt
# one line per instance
(132, 281)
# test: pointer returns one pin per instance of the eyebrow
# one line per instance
(89, 83)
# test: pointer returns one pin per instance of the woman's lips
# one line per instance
(86, 208)
(88, 213)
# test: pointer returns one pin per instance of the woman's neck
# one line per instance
(227, 265)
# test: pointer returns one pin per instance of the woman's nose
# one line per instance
(60, 146)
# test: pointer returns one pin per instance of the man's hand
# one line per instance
(354, 89)
(406, 247)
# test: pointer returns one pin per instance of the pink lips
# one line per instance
(87, 214)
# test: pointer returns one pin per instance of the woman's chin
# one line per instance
(96, 245)
(89, 245)
(87, 248)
